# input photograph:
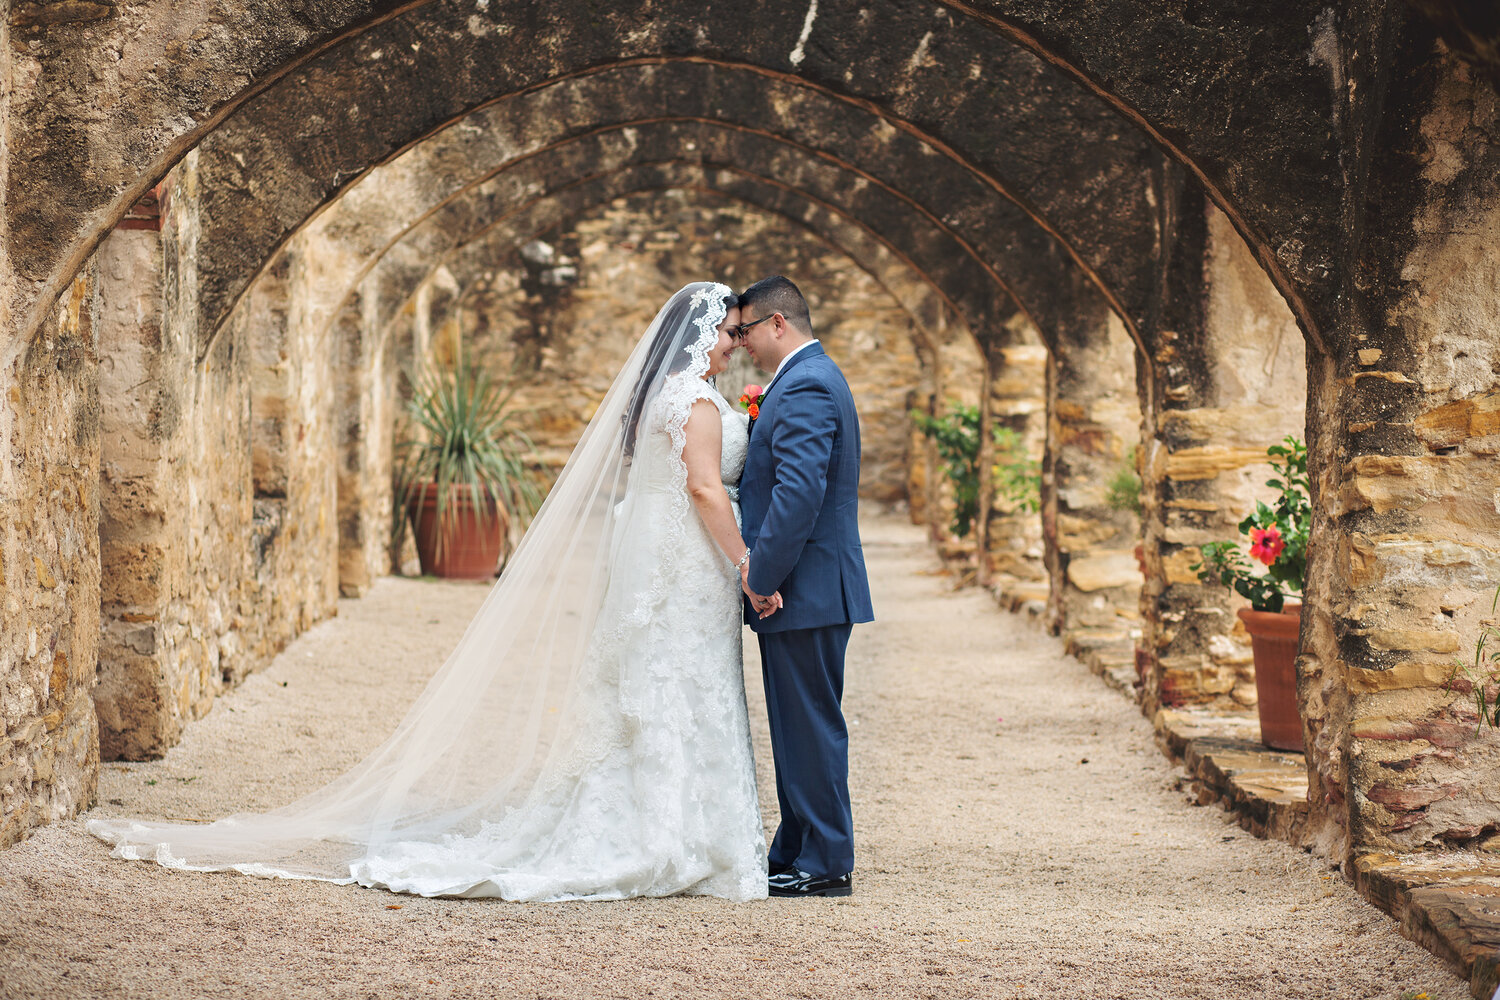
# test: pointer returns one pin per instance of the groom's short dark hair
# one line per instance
(777, 294)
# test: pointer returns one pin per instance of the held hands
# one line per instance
(767, 606)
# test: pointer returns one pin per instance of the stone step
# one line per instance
(1449, 903)
(1227, 763)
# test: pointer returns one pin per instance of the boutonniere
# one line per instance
(750, 400)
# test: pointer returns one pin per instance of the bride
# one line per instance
(588, 738)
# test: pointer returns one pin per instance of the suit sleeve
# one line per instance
(801, 448)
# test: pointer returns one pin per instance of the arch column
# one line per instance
(1018, 402)
(147, 687)
(364, 421)
(1091, 416)
(1230, 380)
(49, 570)
(1405, 457)
(178, 609)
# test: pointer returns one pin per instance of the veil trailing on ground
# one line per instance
(512, 696)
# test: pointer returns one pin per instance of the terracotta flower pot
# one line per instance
(474, 540)
(1273, 639)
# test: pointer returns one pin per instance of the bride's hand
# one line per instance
(774, 604)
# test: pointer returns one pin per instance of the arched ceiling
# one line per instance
(1039, 96)
(483, 238)
(389, 294)
(435, 216)
(313, 165)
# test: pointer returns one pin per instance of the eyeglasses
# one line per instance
(738, 332)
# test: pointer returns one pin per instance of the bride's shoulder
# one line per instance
(697, 388)
(680, 392)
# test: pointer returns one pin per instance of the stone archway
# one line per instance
(1301, 132)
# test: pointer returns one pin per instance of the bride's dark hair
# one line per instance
(668, 354)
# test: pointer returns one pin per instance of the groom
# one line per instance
(799, 496)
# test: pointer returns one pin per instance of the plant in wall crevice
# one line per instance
(1123, 492)
(1481, 676)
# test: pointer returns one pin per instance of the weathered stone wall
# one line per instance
(179, 607)
(1410, 493)
(217, 531)
(295, 453)
(49, 570)
(567, 320)
(365, 421)
(1207, 466)
(145, 690)
(1093, 426)
(1019, 403)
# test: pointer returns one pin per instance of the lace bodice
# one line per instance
(657, 465)
(736, 444)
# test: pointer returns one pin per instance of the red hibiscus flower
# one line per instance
(1266, 544)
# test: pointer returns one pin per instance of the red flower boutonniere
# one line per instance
(750, 400)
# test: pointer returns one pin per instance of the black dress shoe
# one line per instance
(776, 870)
(799, 883)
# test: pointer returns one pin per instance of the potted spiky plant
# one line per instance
(461, 472)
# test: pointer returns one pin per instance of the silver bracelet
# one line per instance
(743, 559)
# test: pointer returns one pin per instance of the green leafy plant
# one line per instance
(1482, 676)
(1278, 537)
(1015, 478)
(1018, 477)
(460, 433)
(1124, 489)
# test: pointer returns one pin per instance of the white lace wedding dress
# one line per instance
(587, 738)
(656, 796)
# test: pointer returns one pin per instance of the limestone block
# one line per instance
(1408, 797)
(1176, 565)
(1102, 569)
(1076, 532)
(1187, 464)
(1453, 424)
(1227, 652)
(1432, 641)
(1193, 504)
(1408, 482)
(1244, 692)
(1436, 732)
(1414, 673)
(1422, 564)
(1248, 428)
(1217, 680)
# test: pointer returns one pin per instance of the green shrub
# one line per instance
(1016, 479)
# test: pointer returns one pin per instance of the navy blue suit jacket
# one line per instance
(799, 495)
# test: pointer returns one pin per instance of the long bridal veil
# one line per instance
(514, 692)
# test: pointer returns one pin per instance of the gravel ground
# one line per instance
(1019, 836)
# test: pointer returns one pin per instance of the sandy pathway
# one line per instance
(1019, 836)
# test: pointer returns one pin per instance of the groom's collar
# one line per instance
(804, 350)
